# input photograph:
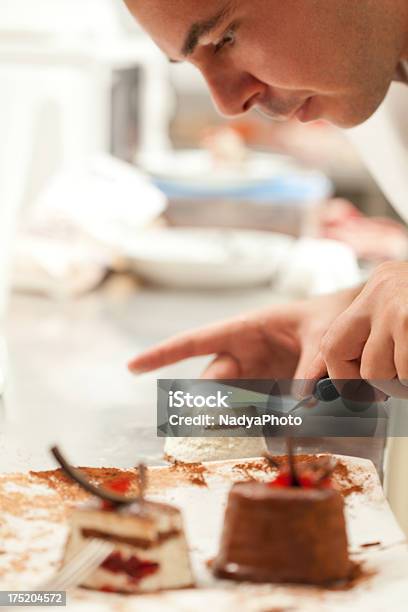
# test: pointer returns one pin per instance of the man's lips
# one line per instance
(302, 112)
(299, 111)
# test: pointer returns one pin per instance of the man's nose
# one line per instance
(234, 94)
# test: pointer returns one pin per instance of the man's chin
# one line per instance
(342, 116)
(347, 122)
(344, 123)
(348, 115)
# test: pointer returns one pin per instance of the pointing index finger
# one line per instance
(205, 341)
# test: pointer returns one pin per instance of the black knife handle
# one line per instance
(325, 391)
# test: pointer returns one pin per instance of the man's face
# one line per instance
(309, 59)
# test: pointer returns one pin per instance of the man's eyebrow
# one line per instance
(202, 28)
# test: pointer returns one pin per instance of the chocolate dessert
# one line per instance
(289, 530)
(150, 549)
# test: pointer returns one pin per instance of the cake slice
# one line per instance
(150, 551)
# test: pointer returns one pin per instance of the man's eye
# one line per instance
(227, 39)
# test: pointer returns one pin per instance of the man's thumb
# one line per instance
(311, 367)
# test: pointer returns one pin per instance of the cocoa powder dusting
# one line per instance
(72, 492)
(343, 480)
(358, 574)
(248, 468)
(193, 471)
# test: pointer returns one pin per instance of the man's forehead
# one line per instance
(168, 21)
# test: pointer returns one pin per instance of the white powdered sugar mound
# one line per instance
(191, 450)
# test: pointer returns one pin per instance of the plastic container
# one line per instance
(265, 192)
(286, 205)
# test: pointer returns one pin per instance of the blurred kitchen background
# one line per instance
(130, 211)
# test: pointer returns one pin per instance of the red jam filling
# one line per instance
(107, 589)
(107, 505)
(134, 567)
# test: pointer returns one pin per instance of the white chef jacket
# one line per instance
(383, 144)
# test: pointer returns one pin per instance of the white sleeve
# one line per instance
(383, 144)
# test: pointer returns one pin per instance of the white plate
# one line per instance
(34, 523)
(202, 258)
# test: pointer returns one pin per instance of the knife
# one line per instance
(324, 391)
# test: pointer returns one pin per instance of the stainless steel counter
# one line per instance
(69, 383)
(68, 380)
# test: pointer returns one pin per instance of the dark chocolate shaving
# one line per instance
(323, 468)
(327, 473)
(142, 472)
(271, 460)
(291, 463)
(77, 476)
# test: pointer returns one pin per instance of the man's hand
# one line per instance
(369, 340)
(279, 342)
(260, 345)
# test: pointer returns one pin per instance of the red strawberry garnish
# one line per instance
(120, 484)
(308, 479)
(283, 479)
(308, 475)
